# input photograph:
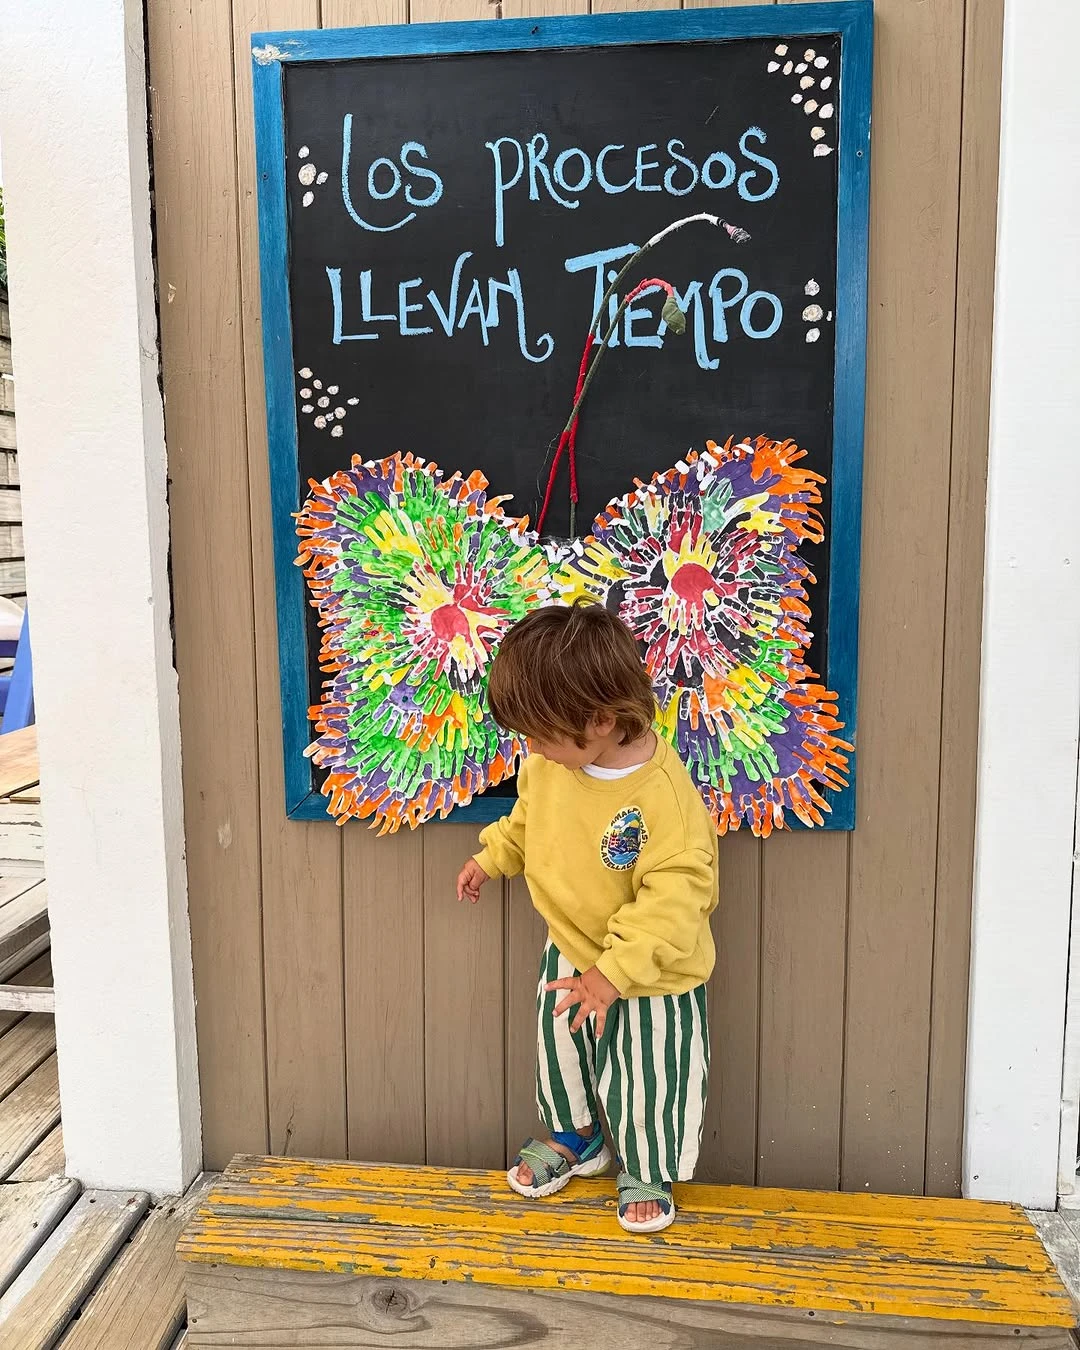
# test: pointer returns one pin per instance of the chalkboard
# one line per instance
(442, 208)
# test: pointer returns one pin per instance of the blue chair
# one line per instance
(17, 689)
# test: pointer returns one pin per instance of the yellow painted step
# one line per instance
(949, 1260)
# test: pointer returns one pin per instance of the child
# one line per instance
(619, 854)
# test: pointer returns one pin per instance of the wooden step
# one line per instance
(281, 1245)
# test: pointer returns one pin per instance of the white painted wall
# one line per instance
(92, 461)
(1031, 644)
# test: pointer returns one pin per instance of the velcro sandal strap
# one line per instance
(582, 1146)
(543, 1161)
(632, 1191)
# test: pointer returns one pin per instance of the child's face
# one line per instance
(598, 736)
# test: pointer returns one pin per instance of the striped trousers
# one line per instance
(649, 1072)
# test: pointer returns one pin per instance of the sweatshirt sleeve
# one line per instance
(503, 841)
(661, 926)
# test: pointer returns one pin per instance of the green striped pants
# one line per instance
(649, 1071)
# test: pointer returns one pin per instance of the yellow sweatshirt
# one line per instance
(623, 871)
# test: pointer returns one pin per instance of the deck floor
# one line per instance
(79, 1270)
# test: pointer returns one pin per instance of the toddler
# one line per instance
(619, 854)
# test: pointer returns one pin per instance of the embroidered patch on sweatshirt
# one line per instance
(624, 839)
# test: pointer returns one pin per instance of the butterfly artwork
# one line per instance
(416, 574)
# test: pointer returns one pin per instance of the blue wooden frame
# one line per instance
(852, 20)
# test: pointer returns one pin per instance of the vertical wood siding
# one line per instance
(347, 1005)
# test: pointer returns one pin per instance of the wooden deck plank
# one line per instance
(478, 1187)
(27, 1115)
(11, 887)
(26, 999)
(28, 1214)
(18, 760)
(46, 1296)
(37, 973)
(21, 833)
(588, 1213)
(1061, 1242)
(47, 1160)
(25, 1047)
(140, 1305)
(971, 1263)
(562, 1260)
(29, 956)
(23, 919)
(260, 1309)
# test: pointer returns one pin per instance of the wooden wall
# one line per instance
(347, 1005)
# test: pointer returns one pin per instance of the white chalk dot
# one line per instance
(322, 177)
(320, 421)
(773, 67)
(789, 66)
(309, 197)
(303, 152)
(800, 68)
(331, 388)
(782, 49)
(812, 334)
(305, 393)
(807, 82)
(317, 383)
(324, 402)
(829, 316)
(820, 150)
(826, 83)
(816, 133)
(339, 412)
(307, 407)
(821, 62)
(337, 431)
(353, 402)
(796, 98)
(812, 313)
(306, 174)
(304, 372)
(826, 110)
(811, 105)
(809, 54)
(811, 287)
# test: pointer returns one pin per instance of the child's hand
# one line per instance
(470, 879)
(591, 992)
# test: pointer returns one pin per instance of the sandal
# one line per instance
(635, 1192)
(552, 1170)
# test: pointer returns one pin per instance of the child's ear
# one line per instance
(603, 724)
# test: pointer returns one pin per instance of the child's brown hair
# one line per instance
(560, 667)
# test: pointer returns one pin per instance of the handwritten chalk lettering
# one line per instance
(469, 301)
(757, 193)
(563, 176)
(756, 314)
(385, 180)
